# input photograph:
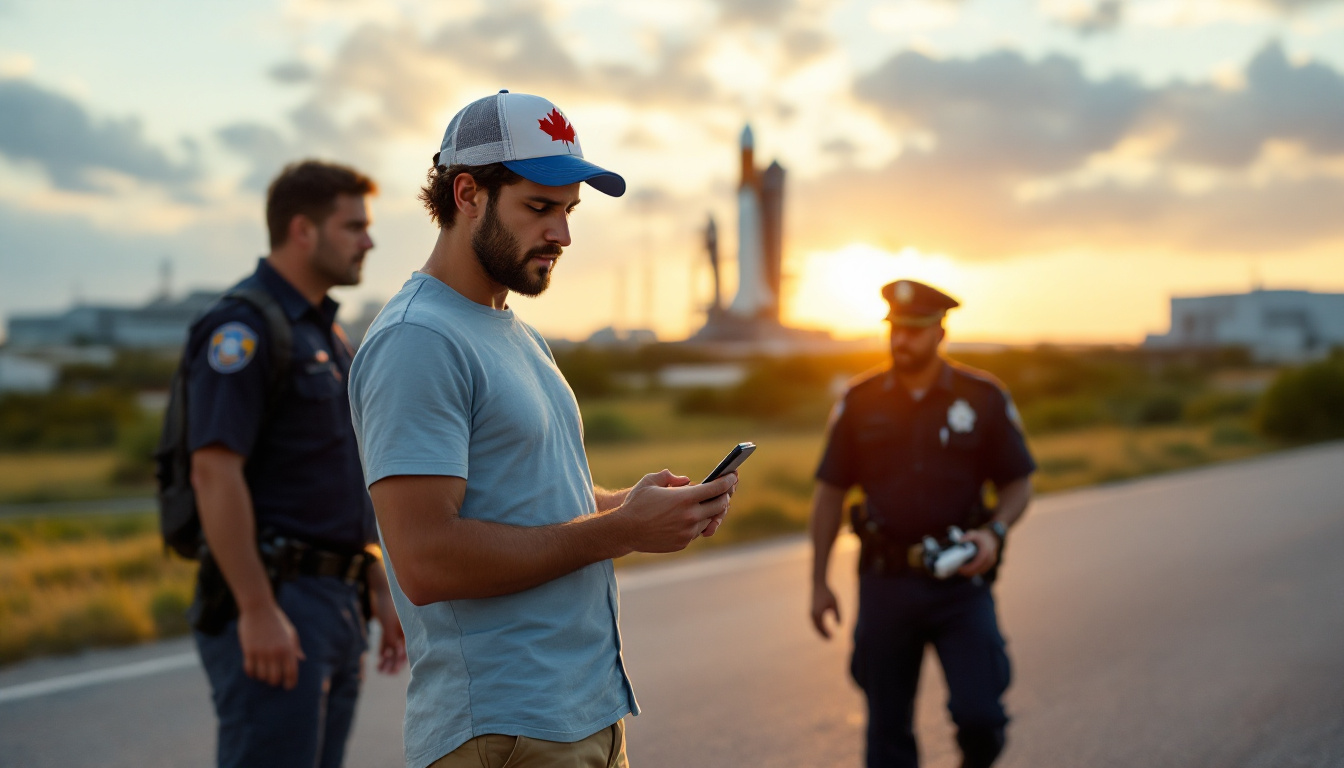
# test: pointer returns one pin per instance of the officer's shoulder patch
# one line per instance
(232, 347)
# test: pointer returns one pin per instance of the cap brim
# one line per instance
(916, 321)
(562, 170)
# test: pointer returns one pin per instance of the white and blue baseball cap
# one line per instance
(530, 136)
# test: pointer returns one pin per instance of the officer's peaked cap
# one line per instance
(914, 303)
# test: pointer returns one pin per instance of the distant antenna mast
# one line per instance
(1257, 280)
(166, 279)
(712, 248)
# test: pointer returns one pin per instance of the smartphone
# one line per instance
(731, 462)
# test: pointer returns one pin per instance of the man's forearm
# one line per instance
(827, 511)
(1013, 500)
(609, 499)
(440, 555)
(465, 558)
(226, 513)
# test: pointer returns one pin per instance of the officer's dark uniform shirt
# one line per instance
(922, 463)
(302, 464)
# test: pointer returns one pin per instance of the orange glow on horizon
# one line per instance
(840, 291)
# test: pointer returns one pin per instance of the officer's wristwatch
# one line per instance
(999, 530)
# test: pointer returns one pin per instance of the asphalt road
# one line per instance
(1189, 620)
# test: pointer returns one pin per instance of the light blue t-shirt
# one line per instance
(445, 386)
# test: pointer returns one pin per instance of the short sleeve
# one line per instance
(410, 397)
(839, 466)
(227, 377)
(1008, 458)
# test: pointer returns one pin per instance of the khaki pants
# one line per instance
(604, 749)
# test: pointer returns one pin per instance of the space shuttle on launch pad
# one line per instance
(754, 313)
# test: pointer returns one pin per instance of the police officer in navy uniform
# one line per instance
(921, 439)
(280, 492)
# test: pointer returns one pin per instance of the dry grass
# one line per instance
(68, 583)
(56, 476)
(1107, 454)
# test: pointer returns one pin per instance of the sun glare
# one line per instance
(840, 290)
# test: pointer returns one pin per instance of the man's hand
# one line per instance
(392, 646)
(986, 555)
(664, 512)
(271, 651)
(717, 520)
(824, 602)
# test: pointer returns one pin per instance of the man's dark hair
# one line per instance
(437, 194)
(310, 188)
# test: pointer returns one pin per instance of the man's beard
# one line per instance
(497, 250)
(913, 361)
(333, 267)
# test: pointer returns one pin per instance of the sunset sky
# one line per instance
(1062, 166)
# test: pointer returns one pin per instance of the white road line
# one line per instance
(97, 677)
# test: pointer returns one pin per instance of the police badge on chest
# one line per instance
(960, 419)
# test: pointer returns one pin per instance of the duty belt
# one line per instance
(293, 558)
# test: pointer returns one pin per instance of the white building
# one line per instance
(20, 374)
(1275, 326)
(162, 323)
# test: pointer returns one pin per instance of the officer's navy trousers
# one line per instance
(262, 725)
(898, 616)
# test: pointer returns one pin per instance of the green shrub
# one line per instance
(1159, 408)
(789, 390)
(1231, 433)
(588, 371)
(1063, 465)
(1305, 404)
(1212, 406)
(1184, 451)
(168, 609)
(604, 426)
(136, 443)
(64, 420)
(799, 486)
(763, 520)
(700, 401)
(1060, 414)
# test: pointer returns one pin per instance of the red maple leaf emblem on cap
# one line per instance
(557, 128)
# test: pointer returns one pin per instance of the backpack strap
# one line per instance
(281, 339)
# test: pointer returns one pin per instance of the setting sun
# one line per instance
(839, 290)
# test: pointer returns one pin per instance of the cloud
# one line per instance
(76, 150)
(1300, 103)
(266, 149)
(1003, 113)
(1100, 17)
(47, 255)
(764, 12)
(1116, 160)
(291, 72)
(1296, 5)
(393, 80)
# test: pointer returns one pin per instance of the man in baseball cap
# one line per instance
(499, 547)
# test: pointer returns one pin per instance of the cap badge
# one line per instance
(904, 292)
(961, 416)
(559, 129)
(232, 347)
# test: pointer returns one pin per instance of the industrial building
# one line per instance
(1274, 326)
(160, 324)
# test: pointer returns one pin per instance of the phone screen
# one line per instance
(731, 462)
